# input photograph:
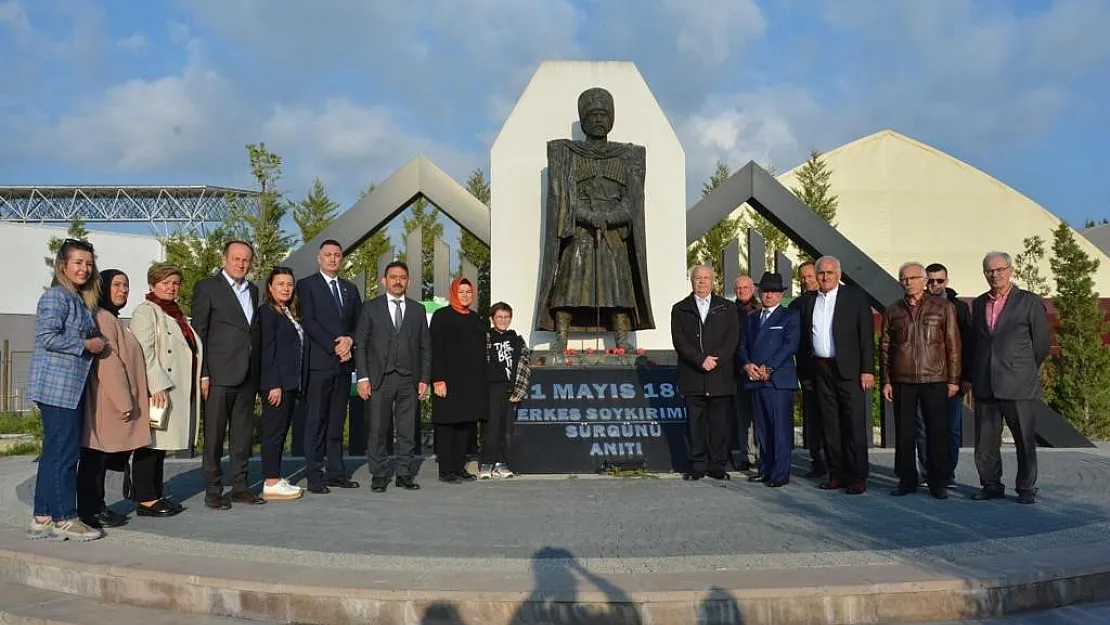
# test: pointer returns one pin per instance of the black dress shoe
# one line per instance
(319, 489)
(830, 485)
(343, 483)
(450, 479)
(160, 508)
(407, 483)
(816, 472)
(173, 504)
(217, 502)
(247, 497)
(856, 489)
(939, 493)
(378, 484)
(985, 494)
(1026, 498)
(110, 518)
(693, 476)
(902, 491)
(757, 478)
(720, 475)
(466, 476)
(775, 484)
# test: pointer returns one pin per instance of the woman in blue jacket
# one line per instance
(282, 374)
(66, 340)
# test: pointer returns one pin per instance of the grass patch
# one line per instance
(22, 448)
(26, 423)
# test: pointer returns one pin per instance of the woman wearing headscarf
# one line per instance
(459, 386)
(173, 357)
(117, 405)
(66, 341)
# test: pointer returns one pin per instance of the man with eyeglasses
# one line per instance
(920, 360)
(1010, 341)
(936, 279)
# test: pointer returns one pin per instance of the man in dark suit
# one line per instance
(224, 307)
(704, 331)
(812, 431)
(394, 364)
(743, 429)
(766, 356)
(838, 340)
(1009, 332)
(329, 311)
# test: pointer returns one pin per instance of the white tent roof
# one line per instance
(901, 200)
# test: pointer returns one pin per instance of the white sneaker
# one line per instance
(281, 491)
(42, 530)
(485, 471)
(75, 529)
(501, 470)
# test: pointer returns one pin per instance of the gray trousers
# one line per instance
(1020, 415)
(393, 402)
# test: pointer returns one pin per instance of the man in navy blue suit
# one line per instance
(329, 312)
(766, 356)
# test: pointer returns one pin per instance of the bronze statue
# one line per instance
(594, 272)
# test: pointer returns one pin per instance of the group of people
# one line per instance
(755, 354)
(115, 396)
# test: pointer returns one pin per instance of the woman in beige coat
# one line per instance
(117, 408)
(173, 356)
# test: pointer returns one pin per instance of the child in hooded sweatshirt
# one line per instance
(508, 372)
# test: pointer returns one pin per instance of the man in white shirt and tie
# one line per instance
(393, 355)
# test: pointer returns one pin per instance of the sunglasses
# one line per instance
(937, 280)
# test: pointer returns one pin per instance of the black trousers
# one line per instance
(325, 415)
(276, 421)
(742, 434)
(452, 440)
(90, 480)
(392, 411)
(1021, 417)
(147, 474)
(932, 399)
(228, 409)
(496, 432)
(843, 408)
(707, 429)
(812, 430)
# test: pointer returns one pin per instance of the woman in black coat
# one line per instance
(459, 385)
(282, 367)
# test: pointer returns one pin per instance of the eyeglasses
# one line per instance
(937, 280)
(996, 271)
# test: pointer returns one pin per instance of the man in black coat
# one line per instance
(224, 307)
(812, 431)
(329, 312)
(1009, 332)
(705, 333)
(838, 343)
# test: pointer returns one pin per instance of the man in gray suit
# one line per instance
(1009, 336)
(393, 357)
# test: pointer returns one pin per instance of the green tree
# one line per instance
(1082, 370)
(709, 249)
(260, 224)
(197, 256)
(814, 178)
(1026, 266)
(428, 220)
(471, 247)
(76, 230)
(314, 213)
(363, 258)
(1091, 223)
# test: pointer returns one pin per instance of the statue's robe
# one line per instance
(588, 274)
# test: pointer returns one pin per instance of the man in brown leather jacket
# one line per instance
(920, 360)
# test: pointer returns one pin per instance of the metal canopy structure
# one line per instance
(189, 205)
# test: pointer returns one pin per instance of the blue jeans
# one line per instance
(56, 483)
(955, 437)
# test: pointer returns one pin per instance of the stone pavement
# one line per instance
(636, 550)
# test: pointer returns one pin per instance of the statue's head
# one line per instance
(595, 112)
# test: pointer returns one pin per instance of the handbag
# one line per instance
(158, 415)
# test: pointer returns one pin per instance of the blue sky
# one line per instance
(349, 90)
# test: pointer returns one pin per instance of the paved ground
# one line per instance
(1093, 614)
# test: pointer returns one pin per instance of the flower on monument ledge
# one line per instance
(641, 351)
(570, 363)
(589, 350)
(570, 351)
(619, 351)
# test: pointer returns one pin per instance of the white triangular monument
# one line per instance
(548, 109)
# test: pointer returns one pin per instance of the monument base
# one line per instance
(585, 419)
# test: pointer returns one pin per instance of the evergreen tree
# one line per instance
(76, 230)
(261, 224)
(428, 220)
(471, 247)
(1082, 371)
(314, 213)
(814, 177)
(1026, 266)
(197, 256)
(709, 249)
(363, 258)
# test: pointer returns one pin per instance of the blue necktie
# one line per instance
(335, 294)
(763, 317)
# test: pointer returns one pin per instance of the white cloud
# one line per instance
(14, 16)
(712, 29)
(134, 43)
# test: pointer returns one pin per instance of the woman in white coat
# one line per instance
(173, 357)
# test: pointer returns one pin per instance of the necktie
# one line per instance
(335, 294)
(397, 314)
(763, 317)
